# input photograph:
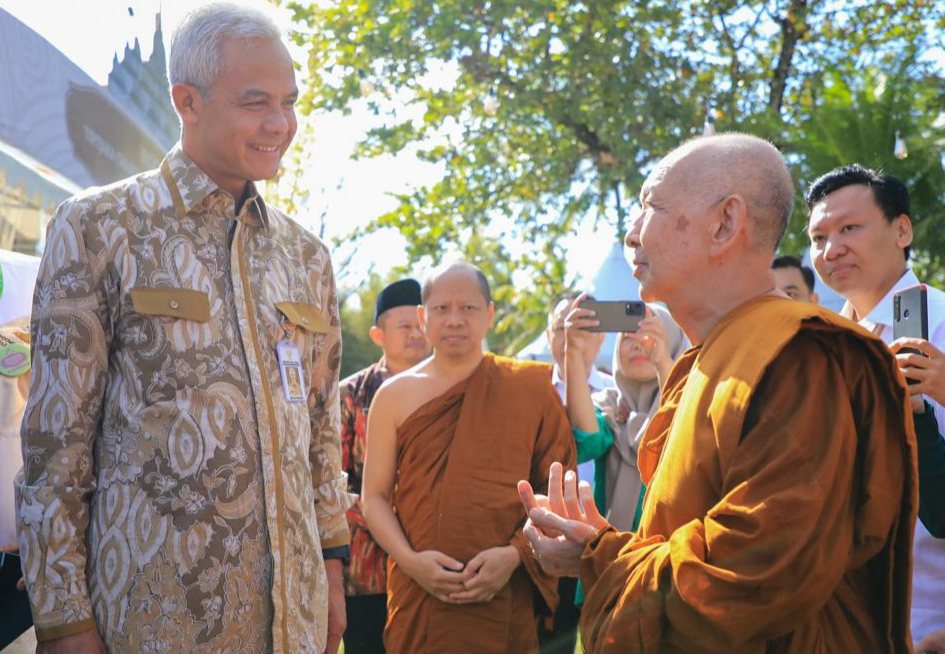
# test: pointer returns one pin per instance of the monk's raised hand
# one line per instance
(531, 500)
(556, 489)
(487, 573)
(437, 573)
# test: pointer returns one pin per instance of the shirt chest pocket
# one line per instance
(178, 316)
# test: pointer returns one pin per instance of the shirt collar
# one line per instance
(192, 189)
(882, 313)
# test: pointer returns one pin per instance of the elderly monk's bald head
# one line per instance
(711, 215)
(713, 167)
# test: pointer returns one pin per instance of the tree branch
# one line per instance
(793, 30)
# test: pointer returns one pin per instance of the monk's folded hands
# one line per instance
(437, 573)
(486, 574)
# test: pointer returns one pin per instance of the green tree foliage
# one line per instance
(357, 316)
(553, 111)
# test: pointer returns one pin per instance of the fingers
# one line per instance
(913, 360)
(447, 562)
(527, 494)
(555, 490)
(571, 502)
(920, 344)
(591, 514)
(21, 583)
(547, 521)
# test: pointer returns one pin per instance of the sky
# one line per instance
(348, 193)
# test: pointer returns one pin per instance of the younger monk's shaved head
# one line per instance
(461, 268)
(727, 164)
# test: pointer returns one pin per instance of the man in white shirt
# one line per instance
(860, 231)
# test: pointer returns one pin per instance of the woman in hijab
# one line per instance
(608, 425)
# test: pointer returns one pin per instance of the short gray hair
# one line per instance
(195, 45)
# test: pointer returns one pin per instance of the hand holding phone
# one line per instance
(911, 319)
(615, 316)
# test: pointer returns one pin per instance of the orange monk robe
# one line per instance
(781, 477)
(458, 460)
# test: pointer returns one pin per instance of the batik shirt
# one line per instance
(366, 573)
(171, 496)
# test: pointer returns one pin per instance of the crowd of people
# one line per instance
(756, 474)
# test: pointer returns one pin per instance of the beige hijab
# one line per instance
(627, 410)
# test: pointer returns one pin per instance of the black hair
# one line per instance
(890, 194)
(788, 261)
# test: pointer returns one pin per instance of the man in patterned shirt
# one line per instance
(397, 332)
(178, 494)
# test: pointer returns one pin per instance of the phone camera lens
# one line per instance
(905, 314)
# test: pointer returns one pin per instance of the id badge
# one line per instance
(290, 366)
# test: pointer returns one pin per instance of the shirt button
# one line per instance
(305, 320)
(174, 304)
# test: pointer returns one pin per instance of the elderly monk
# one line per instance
(182, 480)
(446, 441)
(780, 465)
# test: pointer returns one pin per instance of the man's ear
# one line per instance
(491, 312)
(729, 223)
(422, 318)
(187, 101)
(904, 233)
(377, 336)
(814, 297)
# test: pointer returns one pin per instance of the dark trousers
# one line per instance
(15, 616)
(562, 637)
(366, 617)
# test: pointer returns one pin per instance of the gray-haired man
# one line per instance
(182, 481)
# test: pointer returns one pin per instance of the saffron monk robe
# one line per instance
(781, 464)
(446, 441)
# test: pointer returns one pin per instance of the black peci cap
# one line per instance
(402, 293)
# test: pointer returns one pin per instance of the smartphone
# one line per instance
(616, 316)
(911, 316)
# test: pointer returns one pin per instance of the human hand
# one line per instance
(577, 337)
(933, 643)
(927, 367)
(560, 524)
(337, 614)
(651, 334)
(437, 573)
(84, 642)
(486, 574)
(13, 549)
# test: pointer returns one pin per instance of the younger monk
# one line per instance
(446, 441)
(780, 465)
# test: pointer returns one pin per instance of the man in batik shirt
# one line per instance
(178, 494)
(397, 332)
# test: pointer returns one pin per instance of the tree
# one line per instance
(553, 111)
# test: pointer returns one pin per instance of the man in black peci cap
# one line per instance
(397, 332)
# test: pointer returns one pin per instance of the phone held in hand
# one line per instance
(911, 316)
(616, 315)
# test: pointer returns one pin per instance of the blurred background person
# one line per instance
(608, 424)
(561, 636)
(794, 279)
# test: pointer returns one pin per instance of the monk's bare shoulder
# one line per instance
(404, 393)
